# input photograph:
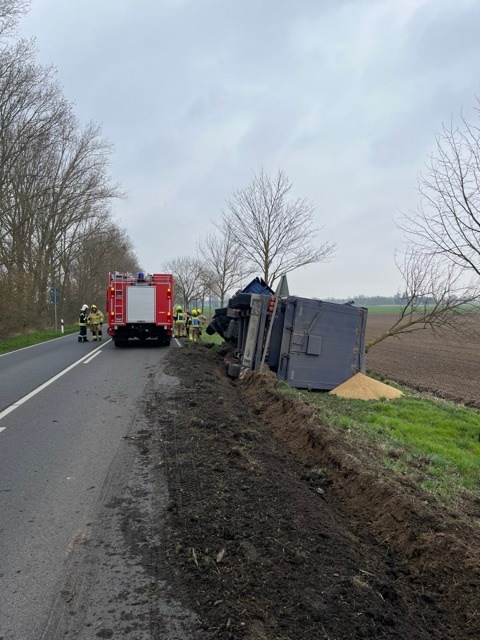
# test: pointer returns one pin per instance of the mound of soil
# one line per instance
(278, 528)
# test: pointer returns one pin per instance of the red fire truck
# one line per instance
(140, 306)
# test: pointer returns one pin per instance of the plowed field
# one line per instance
(446, 364)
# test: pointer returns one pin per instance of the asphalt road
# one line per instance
(66, 412)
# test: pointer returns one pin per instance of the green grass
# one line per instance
(215, 339)
(434, 442)
(12, 344)
(384, 309)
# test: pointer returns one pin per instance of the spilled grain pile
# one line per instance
(362, 387)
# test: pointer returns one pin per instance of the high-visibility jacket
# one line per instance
(95, 317)
(179, 317)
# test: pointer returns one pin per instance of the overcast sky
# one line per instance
(345, 96)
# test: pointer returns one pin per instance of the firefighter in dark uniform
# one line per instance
(82, 322)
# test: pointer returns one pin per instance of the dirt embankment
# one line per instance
(279, 529)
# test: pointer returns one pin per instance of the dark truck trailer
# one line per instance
(309, 344)
(321, 345)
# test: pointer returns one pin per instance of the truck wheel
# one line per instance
(234, 370)
(232, 330)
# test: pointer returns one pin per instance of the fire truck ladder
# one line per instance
(119, 298)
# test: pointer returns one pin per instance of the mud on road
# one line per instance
(276, 528)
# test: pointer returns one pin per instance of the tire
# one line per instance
(210, 330)
(232, 330)
(234, 370)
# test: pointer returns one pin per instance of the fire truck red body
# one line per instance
(140, 306)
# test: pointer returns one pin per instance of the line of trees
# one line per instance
(56, 228)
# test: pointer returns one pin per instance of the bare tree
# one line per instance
(188, 277)
(10, 12)
(447, 223)
(54, 187)
(436, 295)
(104, 247)
(276, 234)
(225, 262)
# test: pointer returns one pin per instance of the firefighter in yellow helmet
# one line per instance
(195, 329)
(179, 321)
(202, 318)
(95, 321)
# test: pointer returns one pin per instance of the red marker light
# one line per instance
(169, 293)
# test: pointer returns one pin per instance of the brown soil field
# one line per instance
(279, 528)
(446, 364)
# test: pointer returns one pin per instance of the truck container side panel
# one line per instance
(322, 344)
(141, 304)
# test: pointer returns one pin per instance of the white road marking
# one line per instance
(43, 386)
(91, 357)
(178, 343)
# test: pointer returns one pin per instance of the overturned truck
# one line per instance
(309, 344)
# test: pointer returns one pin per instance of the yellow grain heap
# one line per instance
(362, 387)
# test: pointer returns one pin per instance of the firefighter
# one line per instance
(202, 318)
(179, 328)
(95, 321)
(82, 322)
(188, 322)
(195, 328)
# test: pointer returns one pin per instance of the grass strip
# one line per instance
(435, 443)
(27, 340)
